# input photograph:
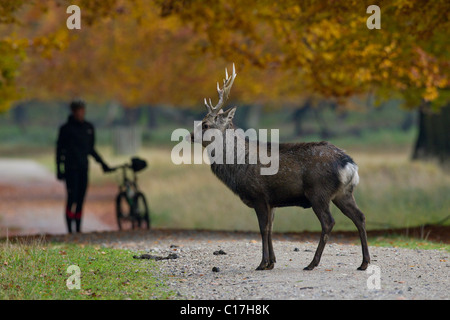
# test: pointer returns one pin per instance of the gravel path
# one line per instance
(405, 273)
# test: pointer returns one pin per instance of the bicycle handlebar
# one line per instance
(136, 165)
(126, 165)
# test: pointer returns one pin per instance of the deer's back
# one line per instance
(304, 168)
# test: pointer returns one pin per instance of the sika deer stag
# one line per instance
(309, 175)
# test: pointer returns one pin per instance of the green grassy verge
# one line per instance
(39, 271)
(398, 241)
(394, 192)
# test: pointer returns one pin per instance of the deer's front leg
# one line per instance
(263, 213)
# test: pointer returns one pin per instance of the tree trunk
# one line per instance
(131, 115)
(19, 113)
(111, 114)
(151, 117)
(299, 116)
(127, 140)
(433, 140)
(254, 116)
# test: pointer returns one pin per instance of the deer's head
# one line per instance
(216, 118)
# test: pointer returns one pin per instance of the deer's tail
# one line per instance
(348, 175)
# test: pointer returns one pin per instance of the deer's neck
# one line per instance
(231, 170)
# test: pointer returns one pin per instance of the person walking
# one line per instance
(76, 141)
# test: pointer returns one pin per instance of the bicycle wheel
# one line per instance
(123, 212)
(141, 212)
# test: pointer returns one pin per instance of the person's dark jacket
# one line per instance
(75, 142)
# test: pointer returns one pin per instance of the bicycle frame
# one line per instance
(129, 186)
(136, 209)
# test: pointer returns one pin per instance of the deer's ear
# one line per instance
(229, 114)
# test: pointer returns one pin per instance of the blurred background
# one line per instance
(311, 69)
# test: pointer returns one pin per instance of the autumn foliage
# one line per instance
(172, 52)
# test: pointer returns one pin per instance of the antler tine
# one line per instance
(208, 107)
(223, 93)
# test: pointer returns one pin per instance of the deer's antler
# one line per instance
(223, 93)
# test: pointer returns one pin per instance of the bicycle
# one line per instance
(131, 204)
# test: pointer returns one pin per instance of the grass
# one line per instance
(39, 271)
(396, 192)
(398, 241)
(393, 192)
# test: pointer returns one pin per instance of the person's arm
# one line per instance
(96, 156)
(61, 150)
(99, 159)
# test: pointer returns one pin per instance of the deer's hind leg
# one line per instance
(347, 204)
(322, 210)
(272, 258)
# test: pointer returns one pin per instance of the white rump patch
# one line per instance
(349, 174)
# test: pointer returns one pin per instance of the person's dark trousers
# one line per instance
(76, 184)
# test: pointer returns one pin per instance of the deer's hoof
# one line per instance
(363, 266)
(311, 266)
(266, 266)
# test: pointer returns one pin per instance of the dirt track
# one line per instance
(32, 201)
